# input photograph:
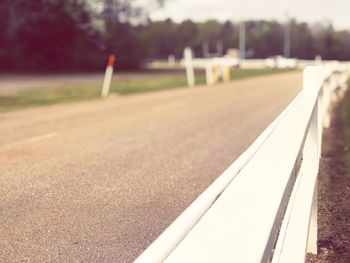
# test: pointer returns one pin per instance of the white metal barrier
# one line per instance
(264, 206)
(219, 67)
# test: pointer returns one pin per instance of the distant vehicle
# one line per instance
(281, 62)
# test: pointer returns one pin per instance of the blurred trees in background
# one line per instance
(47, 35)
(65, 35)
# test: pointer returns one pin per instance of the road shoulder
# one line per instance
(334, 190)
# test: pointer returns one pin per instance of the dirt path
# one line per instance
(334, 191)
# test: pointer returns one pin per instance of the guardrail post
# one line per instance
(312, 235)
(189, 67)
(209, 73)
(311, 152)
(327, 101)
(320, 108)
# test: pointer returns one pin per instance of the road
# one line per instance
(98, 181)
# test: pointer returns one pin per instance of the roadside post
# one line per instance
(226, 73)
(209, 74)
(216, 71)
(108, 76)
(189, 66)
(318, 60)
(171, 61)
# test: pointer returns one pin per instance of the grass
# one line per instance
(54, 95)
(249, 73)
(160, 83)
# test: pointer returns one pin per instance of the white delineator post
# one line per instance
(189, 67)
(108, 76)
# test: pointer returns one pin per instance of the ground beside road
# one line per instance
(334, 190)
(98, 181)
(23, 91)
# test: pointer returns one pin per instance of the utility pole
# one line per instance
(242, 39)
(242, 32)
(205, 48)
(287, 38)
(219, 48)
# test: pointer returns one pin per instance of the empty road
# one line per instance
(98, 181)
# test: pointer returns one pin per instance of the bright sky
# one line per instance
(335, 11)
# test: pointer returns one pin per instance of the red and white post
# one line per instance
(108, 76)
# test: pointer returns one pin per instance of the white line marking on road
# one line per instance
(30, 140)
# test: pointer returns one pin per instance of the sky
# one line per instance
(335, 11)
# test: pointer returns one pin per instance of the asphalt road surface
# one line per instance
(98, 181)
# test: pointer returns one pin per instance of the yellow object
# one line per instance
(226, 74)
(216, 73)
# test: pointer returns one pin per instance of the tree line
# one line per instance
(65, 35)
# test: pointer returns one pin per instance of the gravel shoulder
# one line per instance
(334, 190)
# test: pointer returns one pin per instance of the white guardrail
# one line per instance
(218, 68)
(263, 208)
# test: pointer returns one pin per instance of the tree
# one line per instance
(160, 39)
(80, 34)
(46, 35)
(229, 35)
